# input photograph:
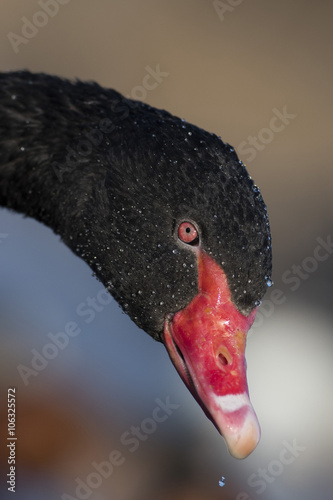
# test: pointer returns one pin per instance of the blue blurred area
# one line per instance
(42, 286)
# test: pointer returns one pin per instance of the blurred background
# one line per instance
(229, 67)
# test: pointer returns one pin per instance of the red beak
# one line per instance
(206, 343)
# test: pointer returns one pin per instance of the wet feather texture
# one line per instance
(114, 177)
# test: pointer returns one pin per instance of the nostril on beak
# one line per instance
(223, 360)
(224, 357)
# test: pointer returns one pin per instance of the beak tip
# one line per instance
(236, 420)
(242, 443)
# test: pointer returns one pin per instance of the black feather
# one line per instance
(113, 177)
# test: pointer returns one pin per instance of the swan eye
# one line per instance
(187, 233)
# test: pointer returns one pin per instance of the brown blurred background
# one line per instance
(229, 70)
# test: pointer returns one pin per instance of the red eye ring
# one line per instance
(188, 233)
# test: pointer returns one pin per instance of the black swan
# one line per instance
(164, 213)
